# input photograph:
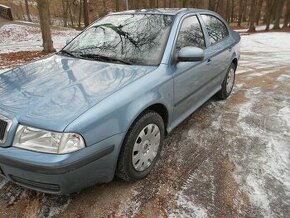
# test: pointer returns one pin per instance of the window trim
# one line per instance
(173, 51)
(218, 18)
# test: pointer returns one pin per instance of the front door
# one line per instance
(190, 77)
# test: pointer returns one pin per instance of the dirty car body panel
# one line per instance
(99, 100)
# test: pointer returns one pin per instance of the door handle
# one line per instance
(208, 61)
(230, 49)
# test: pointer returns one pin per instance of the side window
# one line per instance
(216, 29)
(190, 34)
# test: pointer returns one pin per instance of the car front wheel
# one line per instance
(141, 147)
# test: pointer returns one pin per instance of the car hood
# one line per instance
(52, 92)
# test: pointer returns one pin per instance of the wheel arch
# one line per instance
(235, 62)
(159, 108)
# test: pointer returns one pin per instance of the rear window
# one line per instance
(216, 29)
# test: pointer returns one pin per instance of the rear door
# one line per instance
(219, 50)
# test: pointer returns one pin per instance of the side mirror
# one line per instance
(190, 54)
(68, 40)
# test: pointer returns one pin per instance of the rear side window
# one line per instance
(190, 34)
(216, 29)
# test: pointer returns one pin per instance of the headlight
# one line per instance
(45, 141)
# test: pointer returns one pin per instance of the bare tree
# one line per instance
(287, 15)
(105, 10)
(278, 13)
(80, 13)
(44, 24)
(240, 14)
(65, 12)
(206, 4)
(232, 11)
(27, 11)
(217, 5)
(228, 11)
(86, 13)
(117, 3)
(252, 17)
(269, 13)
(259, 10)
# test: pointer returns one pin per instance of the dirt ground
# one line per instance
(229, 159)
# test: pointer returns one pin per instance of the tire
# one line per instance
(137, 145)
(228, 83)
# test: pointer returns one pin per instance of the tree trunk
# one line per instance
(278, 13)
(259, 9)
(232, 11)
(65, 12)
(86, 13)
(252, 17)
(44, 25)
(117, 3)
(269, 13)
(287, 15)
(228, 12)
(206, 4)
(245, 11)
(22, 12)
(80, 14)
(217, 5)
(240, 15)
(105, 11)
(27, 11)
(71, 16)
(184, 3)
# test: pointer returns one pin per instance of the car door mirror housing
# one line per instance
(190, 54)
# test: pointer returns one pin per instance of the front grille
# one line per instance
(36, 185)
(3, 129)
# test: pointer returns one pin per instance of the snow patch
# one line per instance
(17, 37)
(270, 164)
(284, 113)
(284, 78)
(189, 209)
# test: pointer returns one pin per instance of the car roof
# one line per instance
(165, 11)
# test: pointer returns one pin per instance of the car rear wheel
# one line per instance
(141, 147)
(228, 83)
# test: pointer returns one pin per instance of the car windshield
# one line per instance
(128, 38)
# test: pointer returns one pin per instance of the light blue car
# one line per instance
(102, 106)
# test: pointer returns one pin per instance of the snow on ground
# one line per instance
(15, 37)
(266, 51)
(258, 28)
(266, 176)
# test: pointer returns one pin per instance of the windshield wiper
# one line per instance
(104, 58)
(67, 53)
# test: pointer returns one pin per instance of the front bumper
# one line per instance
(62, 174)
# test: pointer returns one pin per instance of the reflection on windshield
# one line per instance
(129, 38)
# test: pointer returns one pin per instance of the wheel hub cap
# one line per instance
(146, 147)
(230, 80)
